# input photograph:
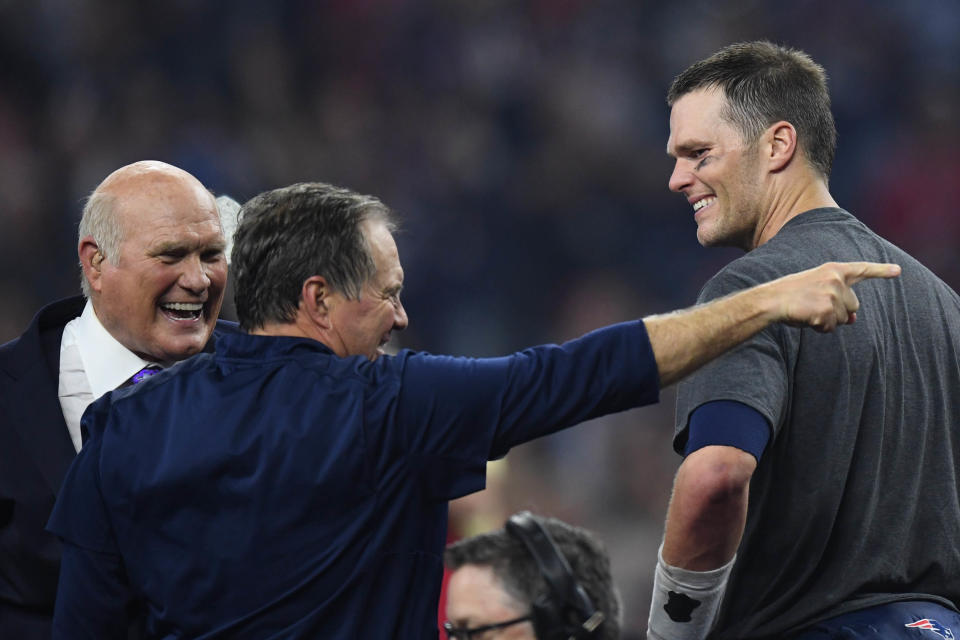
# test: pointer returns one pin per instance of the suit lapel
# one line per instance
(33, 408)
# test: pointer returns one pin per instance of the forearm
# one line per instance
(820, 298)
(704, 525)
(683, 341)
(703, 538)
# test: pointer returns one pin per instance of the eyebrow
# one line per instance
(687, 147)
(174, 247)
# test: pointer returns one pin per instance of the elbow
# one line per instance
(716, 478)
(709, 508)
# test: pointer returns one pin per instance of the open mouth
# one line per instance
(182, 310)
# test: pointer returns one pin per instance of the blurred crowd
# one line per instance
(522, 144)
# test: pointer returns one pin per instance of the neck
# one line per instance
(295, 329)
(790, 200)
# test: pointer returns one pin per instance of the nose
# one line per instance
(400, 320)
(194, 277)
(681, 178)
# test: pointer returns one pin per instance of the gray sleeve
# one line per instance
(755, 373)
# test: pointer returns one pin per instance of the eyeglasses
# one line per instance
(464, 633)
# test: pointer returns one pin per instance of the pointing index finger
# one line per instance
(854, 272)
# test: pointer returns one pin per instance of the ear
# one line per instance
(315, 300)
(91, 261)
(781, 140)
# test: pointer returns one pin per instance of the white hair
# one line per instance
(229, 210)
(99, 220)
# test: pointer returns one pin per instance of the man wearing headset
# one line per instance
(535, 579)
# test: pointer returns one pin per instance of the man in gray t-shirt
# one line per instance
(819, 493)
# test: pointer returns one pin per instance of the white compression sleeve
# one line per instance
(685, 603)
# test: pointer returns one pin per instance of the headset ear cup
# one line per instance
(546, 625)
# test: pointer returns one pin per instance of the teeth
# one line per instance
(182, 306)
(700, 204)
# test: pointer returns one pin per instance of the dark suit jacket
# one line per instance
(35, 452)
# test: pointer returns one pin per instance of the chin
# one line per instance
(706, 239)
(711, 237)
(182, 350)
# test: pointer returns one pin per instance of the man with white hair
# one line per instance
(154, 269)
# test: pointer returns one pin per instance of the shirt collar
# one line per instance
(261, 346)
(107, 363)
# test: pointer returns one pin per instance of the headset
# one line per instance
(565, 611)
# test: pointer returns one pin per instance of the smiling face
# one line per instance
(364, 326)
(717, 172)
(161, 295)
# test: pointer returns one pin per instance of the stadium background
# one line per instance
(521, 142)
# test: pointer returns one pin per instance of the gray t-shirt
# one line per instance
(855, 500)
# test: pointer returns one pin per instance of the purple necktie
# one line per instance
(145, 373)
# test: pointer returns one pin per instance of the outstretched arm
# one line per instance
(822, 298)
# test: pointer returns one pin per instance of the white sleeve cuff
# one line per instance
(685, 603)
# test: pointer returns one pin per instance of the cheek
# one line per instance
(153, 282)
(135, 291)
(218, 276)
(388, 318)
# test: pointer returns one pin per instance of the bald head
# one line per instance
(151, 248)
(129, 188)
(144, 169)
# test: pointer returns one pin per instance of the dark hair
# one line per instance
(764, 83)
(520, 577)
(288, 235)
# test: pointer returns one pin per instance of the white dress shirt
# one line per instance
(92, 362)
